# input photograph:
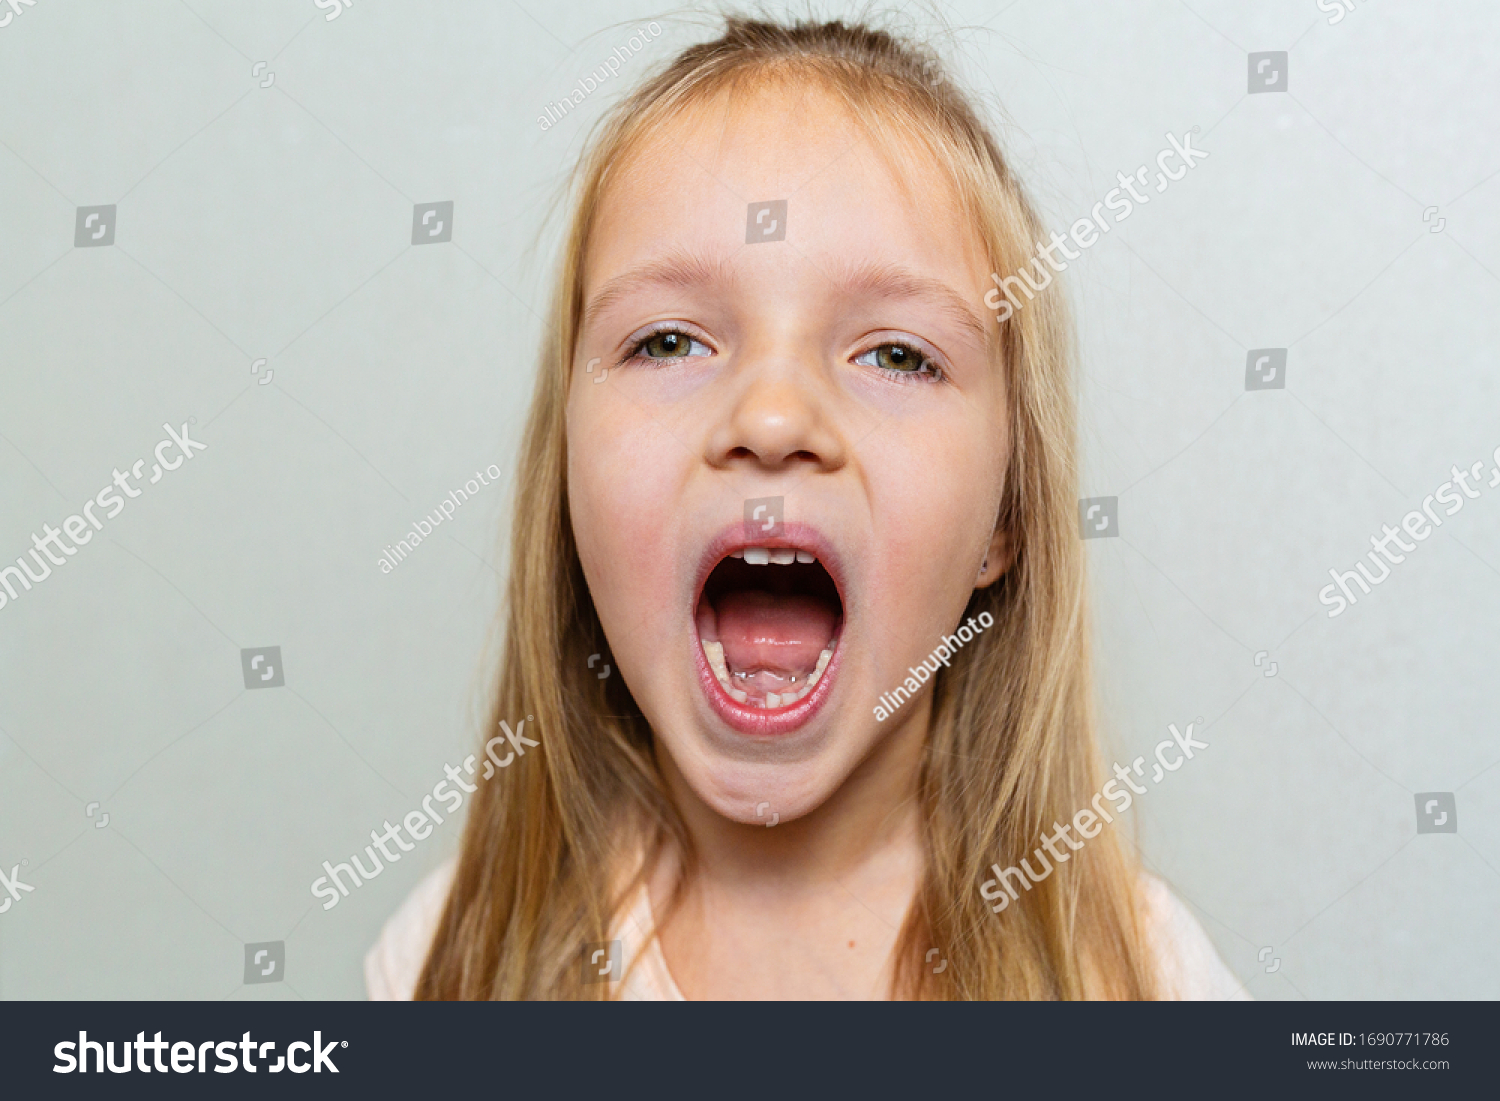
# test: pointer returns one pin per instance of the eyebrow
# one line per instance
(881, 280)
(884, 280)
(676, 269)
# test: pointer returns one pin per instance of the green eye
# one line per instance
(667, 345)
(902, 359)
(898, 357)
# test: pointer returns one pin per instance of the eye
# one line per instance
(669, 344)
(900, 359)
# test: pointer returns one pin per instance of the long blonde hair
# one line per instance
(1011, 748)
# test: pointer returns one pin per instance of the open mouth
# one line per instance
(768, 619)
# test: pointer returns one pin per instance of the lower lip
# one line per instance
(760, 721)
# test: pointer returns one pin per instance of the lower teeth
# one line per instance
(714, 652)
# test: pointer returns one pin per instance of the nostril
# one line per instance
(771, 459)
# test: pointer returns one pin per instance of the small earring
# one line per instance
(984, 566)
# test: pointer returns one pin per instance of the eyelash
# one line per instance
(637, 347)
(929, 371)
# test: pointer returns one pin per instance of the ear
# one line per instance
(998, 558)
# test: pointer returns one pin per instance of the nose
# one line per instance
(781, 418)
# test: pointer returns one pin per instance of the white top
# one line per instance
(1190, 969)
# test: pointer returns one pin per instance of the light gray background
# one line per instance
(276, 222)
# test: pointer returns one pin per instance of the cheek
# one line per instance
(934, 503)
(624, 481)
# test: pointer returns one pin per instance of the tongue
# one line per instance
(765, 631)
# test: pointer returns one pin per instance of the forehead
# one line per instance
(700, 178)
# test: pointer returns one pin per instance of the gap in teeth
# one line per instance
(714, 652)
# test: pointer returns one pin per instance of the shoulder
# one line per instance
(395, 960)
(1188, 966)
(646, 978)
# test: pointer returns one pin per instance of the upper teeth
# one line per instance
(779, 556)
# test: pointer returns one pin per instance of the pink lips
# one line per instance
(757, 721)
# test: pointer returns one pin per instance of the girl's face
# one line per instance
(786, 441)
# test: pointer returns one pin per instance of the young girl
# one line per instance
(778, 453)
